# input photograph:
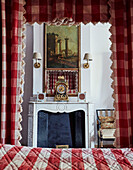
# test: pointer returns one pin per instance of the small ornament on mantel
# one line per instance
(82, 97)
(41, 97)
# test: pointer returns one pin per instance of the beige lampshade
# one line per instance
(37, 56)
(87, 56)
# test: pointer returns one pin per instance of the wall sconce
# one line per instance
(86, 57)
(37, 56)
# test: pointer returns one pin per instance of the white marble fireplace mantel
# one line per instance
(61, 107)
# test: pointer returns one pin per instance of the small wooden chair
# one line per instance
(105, 125)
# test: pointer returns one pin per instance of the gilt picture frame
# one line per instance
(62, 52)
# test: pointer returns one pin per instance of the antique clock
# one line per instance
(61, 89)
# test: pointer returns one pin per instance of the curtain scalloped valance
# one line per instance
(66, 11)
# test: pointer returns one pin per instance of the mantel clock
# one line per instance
(61, 89)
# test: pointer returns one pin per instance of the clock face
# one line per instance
(61, 89)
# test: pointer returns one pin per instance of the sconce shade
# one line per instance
(86, 57)
(37, 56)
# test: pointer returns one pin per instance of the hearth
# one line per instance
(61, 129)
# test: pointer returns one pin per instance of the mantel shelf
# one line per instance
(61, 102)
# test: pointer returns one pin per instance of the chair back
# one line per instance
(105, 113)
(105, 118)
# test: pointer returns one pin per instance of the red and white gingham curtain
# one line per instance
(121, 12)
(11, 55)
(66, 11)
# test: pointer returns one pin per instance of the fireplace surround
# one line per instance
(61, 108)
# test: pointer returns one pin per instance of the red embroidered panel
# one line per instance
(70, 76)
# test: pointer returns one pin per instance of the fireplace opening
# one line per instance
(61, 129)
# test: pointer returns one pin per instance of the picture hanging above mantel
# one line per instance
(62, 47)
(62, 58)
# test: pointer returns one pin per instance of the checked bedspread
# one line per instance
(22, 157)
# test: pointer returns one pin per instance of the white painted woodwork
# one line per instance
(61, 107)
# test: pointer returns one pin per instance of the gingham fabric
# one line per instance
(66, 11)
(18, 157)
(70, 76)
(122, 47)
(11, 49)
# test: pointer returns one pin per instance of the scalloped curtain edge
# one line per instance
(112, 68)
(21, 78)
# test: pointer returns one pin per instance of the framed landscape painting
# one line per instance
(62, 57)
(62, 46)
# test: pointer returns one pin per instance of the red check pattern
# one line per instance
(20, 157)
(66, 11)
(122, 47)
(11, 47)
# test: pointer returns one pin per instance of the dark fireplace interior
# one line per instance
(61, 129)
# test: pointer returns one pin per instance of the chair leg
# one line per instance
(101, 138)
(101, 143)
(98, 140)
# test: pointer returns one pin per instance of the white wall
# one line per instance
(100, 72)
(85, 48)
(38, 38)
(100, 81)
